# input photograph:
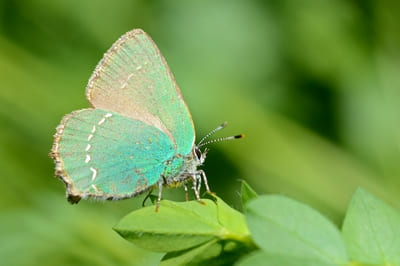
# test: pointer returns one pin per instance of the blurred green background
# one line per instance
(314, 85)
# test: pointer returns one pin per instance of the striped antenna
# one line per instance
(221, 139)
(222, 126)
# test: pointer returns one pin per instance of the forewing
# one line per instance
(133, 79)
(103, 154)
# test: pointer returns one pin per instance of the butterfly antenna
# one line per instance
(222, 126)
(221, 139)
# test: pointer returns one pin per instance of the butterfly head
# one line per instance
(200, 155)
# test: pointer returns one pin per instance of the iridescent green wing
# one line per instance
(134, 80)
(103, 154)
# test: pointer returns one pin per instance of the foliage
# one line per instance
(313, 85)
(274, 230)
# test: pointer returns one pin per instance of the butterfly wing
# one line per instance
(103, 154)
(134, 80)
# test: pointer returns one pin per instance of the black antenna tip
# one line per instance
(241, 136)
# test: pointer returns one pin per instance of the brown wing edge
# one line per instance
(73, 195)
(108, 55)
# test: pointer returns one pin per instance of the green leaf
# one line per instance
(283, 226)
(175, 226)
(192, 256)
(211, 253)
(183, 225)
(371, 230)
(247, 193)
(262, 258)
(234, 222)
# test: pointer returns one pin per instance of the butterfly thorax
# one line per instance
(181, 169)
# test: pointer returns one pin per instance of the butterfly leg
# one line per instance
(198, 177)
(194, 187)
(196, 192)
(186, 192)
(203, 175)
(160, 185)
(147, 196)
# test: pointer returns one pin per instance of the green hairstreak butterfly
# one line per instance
(137, 135)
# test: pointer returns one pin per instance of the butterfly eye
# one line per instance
(198, 153)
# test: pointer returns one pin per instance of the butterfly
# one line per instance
(138, 133)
